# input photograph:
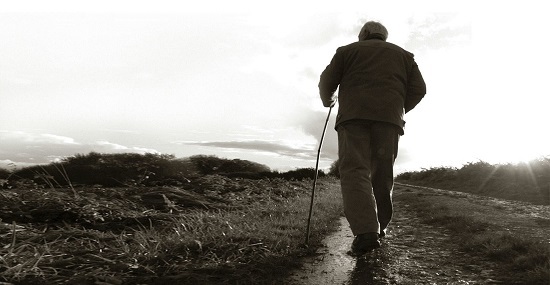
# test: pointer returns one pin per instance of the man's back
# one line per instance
(375, 65)
(377, 80)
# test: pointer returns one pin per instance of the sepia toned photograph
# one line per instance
(274, 142)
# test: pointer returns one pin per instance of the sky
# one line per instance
(238, 79)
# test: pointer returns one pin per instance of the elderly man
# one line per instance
(378, 83)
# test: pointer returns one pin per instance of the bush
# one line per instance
(4, 173)
(301, 174)
(210, 164)
(105, 169)
(522, 181)
(335, 169)
(132, 169)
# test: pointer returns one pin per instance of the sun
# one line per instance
(522, 148)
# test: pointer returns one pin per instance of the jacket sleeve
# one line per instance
(330, 79)
(416, 88)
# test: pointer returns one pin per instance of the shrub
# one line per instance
(132, 169)
(104, 169)
(522, 181)
(301, 174)
(4, 173)
(210, 164)
(335, 169)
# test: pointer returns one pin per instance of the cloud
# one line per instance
(438, 31)
(105, 146)
(11, 165)
(25, 148)
(321, 29)
(36, 138)
(311, 122)
(272, 147)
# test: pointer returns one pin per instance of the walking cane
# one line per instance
(316, 175)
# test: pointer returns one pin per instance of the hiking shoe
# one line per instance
(364, 243)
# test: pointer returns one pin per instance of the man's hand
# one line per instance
(331, 103)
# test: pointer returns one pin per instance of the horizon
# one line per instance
(239, 80)
(13, 167)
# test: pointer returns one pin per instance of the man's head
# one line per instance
(373, 30)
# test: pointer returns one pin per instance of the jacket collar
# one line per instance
(375, 36)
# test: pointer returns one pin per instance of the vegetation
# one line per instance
(524, 258)
(334, 169)
(528, 182)
(131, 169)
(170, 224)
(156, 219)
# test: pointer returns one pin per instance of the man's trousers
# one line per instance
(367, 151)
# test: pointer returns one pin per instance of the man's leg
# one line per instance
(384, 143)
(355, 162)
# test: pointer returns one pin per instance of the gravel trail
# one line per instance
(411, 253)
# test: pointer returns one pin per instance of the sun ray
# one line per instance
(486, 179)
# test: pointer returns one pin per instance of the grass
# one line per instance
(524, 260)
(257, 233)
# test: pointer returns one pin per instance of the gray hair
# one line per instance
(373, 29)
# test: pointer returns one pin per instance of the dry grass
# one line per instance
(111, 236)
(503, 234)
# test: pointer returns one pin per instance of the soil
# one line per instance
(414, 252)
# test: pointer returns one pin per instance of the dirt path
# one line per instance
(411, 253)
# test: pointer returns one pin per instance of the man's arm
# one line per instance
(416, 89)
(330, 79)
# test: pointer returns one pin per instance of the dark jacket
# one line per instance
(378, 81)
